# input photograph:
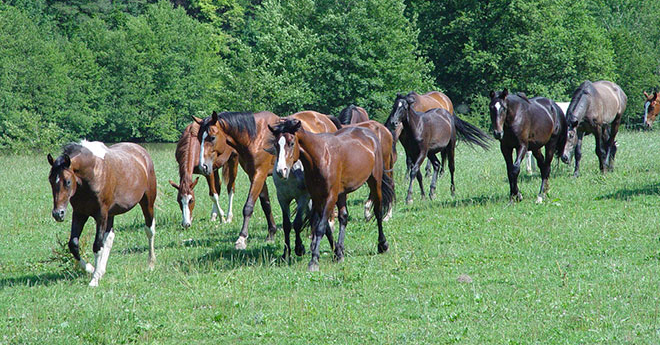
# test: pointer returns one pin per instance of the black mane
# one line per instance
(233, 121)
(346, 114)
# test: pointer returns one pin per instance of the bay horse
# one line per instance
(102, 182)
(353, 114)
(564, 107)
(248, 135)
(527, 124)
(187, 157)
(651, 108)
(595, 108)
(424, 134)
(289, 180)
(422, 103)
(336, 164)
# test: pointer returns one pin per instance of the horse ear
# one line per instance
(214, 117)
(176, 186)
(67, 160)
(272, 129)
(491, 94)
(271, 150)
(504, 93)
(51, 161)
(197, 119)
(296, 125)
(192, 186)
(655, 96)
(646, 95)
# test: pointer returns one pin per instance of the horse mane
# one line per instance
(523, 96)
(71, 150)
(346, 114)
(184, 145)
(239, 122)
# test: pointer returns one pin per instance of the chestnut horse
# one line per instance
(527, 124)
(651, 108)
(247, 134)
(336, 164)
(353, 114)
(290, 180)
(188, 160)
(424, 134)
(102, 182)
(595, 108)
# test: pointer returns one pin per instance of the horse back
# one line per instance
(360, 156)
(315, 122)
(128, 175)
(612, 101)
(434, 99)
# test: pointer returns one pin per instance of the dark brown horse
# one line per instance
(353, 114)
(651, 108)
(102, 182)
(527, 124)
(289, 180)
(187, 156)
(336, 164)
(424, 134)
(248, 135)
(595, 108)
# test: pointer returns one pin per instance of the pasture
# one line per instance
(580, 268)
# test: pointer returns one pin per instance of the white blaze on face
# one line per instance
(98, 148)
(646, 110)
(281, 158)
(185, 202)
(201, 150)
(498, 106)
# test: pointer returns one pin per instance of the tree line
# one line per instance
(135, 70)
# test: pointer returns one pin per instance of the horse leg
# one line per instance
(321, 225)
(450, 162)
(77, 225)
(514, 194)
(600, 150)
(414, 172)
(529, 162)
(302, 210)
(286, 224)
(147, 205)
(229, 172)
(428, 168)
(544, 167)
(611, 144)
(375, 190)
(265, 206)
(343, 220)
(578, 153)
(256, 184)
(436, 167)
(102, 245)
(213, 181)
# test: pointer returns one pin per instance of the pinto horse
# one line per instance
(527, 124)
(595, 108)
(289, 180)
(424, 134)
(336, 164)
(187, 157)
(651, 108)
(102, 182)
(353, 114)
(247, 134)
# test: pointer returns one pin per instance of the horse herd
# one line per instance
(319, 159)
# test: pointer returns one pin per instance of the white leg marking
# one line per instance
(87, 267)
(241, 243)
(367, 209)
(151, 233)
(529, 162)
(102, 258)
(230, 215)
(216, 209)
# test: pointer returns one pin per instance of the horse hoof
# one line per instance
(214, 217)
(152, 265)
(383, 247)
(539, 199)
(270, 239)
(576, 174)
(300, 251)
(409, 201)
(223, 220)
(94, 283)
(339, 259)
(230, 217)
(241, 243)
(313, 266)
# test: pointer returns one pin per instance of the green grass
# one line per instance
(580, 268)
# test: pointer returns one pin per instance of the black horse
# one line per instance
(424, 134)
(527, 124)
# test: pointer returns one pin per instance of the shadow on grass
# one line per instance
(42, 279)
(626, 193)
(230, 258)
(477, 200)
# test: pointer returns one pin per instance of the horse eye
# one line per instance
(68, 183)
(211, 137)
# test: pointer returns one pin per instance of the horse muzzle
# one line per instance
(59, 214)
(206, 169)
(283, 173)
(565, 158)
(498, 134)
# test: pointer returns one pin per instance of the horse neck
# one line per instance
(309, 149)
(187, 151)
(84, 167)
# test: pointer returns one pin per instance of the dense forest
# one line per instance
(136, 70)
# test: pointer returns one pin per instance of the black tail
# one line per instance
(387, 192)
(563, 131)
(471, 134)
(335, 120)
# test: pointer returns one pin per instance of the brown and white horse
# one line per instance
(248, 135)
(102, 182)
(187, 156)
(651, 108)
(336, 164)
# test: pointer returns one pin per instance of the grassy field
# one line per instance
(580, 268)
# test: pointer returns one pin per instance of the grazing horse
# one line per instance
(353, 114)
(527, 124)
(651, 108)
(424, 134)
(336, 164)
(422, 103)
(564, 107)
(595, 108)
(102, 182)
(248, 135)
(289, 180)
(187, 157)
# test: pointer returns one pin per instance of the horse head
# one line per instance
(213, 149)
(651, 108)
(285, 146)
(63, 183)
(498, 111)
(399, 113)
(186, 199)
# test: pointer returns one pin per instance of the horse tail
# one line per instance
(471, 134)
(335, 120)
(563, 130)
(345, 114)
(387, 192)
